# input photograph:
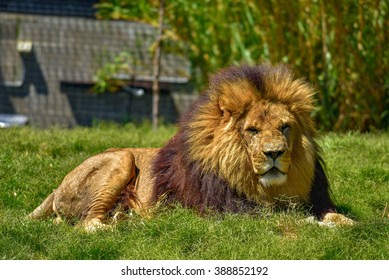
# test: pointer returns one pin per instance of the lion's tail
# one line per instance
(43, 210)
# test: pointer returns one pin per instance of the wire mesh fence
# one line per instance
(50, 52)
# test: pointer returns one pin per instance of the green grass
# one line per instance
(33, 162)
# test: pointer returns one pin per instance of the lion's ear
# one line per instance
(224, 108)
(235, 97)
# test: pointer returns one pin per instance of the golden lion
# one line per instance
(248, 140)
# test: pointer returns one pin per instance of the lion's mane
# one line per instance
(206, 165)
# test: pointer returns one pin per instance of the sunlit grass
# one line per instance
(33, 162)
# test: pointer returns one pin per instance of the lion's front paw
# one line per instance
(337, 219)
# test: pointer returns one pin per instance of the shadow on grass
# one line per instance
(346, 210)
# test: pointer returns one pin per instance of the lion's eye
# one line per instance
(285, 129)
(253, 130)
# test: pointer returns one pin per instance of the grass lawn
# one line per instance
(33, 162)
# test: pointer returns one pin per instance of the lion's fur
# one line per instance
(248, 140)
(99, 184)
(210, 141)
(236, 90)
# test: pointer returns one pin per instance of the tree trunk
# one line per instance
(157, 66)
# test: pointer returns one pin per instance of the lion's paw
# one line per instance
(58, 220)
(331, 220)
(337, 219)
(94, 225)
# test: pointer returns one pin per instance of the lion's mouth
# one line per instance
(274, 171)
(272, 177)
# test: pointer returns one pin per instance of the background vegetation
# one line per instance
(33, 162)
(342, 47)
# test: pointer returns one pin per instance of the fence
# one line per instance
(50, 52)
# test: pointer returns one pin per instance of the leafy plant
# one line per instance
(340, 46)
(108, 78)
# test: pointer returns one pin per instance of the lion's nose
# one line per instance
(274, 154)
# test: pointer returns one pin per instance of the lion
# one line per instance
(249, 140)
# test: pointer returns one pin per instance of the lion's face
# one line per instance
(267, 135)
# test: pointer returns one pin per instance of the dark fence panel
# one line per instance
(50, 52)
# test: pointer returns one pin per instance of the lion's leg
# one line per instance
(90, 190)
(58, 220)
(43, 210)
(118, 174)
(322, 206)
(320, 197)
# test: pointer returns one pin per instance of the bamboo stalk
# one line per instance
(157, 66)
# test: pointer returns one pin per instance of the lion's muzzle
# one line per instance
(272, 163)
